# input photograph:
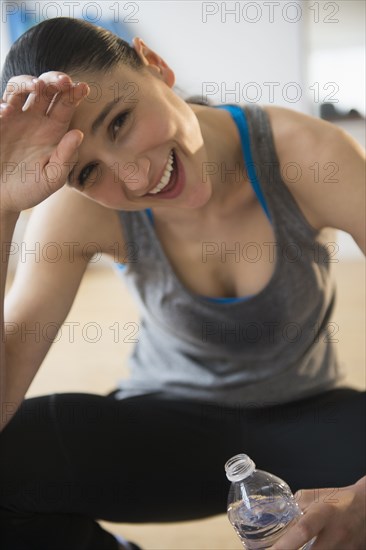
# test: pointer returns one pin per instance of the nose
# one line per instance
(134, 175)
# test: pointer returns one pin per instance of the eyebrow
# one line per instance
(96, 124)
(104, 113)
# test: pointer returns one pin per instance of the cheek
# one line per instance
(108, 192)
(157, 123)
(190, 132)
(159, 129)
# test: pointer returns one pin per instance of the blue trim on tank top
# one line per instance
(150, 214)
(240, 119)
(225, 300)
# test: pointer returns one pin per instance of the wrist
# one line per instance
(361, 484)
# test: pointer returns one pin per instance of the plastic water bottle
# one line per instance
(261, 507)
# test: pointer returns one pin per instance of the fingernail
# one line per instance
(80, 139)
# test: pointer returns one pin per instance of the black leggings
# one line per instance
(69, 459)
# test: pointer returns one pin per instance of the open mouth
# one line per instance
(170, 188)
(173, 175)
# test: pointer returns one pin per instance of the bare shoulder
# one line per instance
(287, 123)
(323, 167)
(69, 217)
(306, 138)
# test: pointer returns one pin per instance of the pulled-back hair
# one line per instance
(71, 46)
(67, 45)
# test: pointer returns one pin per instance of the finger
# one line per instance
(306, 497)
(62, 109)
(309, 497)
(6, 110)
(326, 540)
(47, 87)
(307, 527)
(17, 90)
(63, 159)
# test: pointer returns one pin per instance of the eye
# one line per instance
(118, 122)
(85, 173)
(114, 127)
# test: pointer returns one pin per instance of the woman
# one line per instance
(226, 253)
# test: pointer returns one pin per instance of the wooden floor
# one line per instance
(78, 363)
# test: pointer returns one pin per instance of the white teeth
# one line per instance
(166, 176)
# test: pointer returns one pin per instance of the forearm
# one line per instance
(361, 484)
(7, 226)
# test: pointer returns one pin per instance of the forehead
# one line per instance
(120, 85)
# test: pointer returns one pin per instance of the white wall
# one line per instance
(205, 43)
(241, 51)
(336, 52)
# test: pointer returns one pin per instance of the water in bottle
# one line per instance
(261, 506)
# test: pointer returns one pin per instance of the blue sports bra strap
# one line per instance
(150, 215)
(239, 118)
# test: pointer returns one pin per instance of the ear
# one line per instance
(153, 62)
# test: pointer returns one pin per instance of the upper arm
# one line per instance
(328, 175)
(55, 254)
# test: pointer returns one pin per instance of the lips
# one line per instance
(176, 183)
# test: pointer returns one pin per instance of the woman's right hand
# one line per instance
(37, 151)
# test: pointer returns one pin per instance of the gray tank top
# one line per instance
(271, 347)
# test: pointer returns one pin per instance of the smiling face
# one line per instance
(132, 120)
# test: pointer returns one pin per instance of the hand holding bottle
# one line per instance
(261, 506)
(337, 517)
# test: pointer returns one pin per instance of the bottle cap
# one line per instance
(239, 467)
